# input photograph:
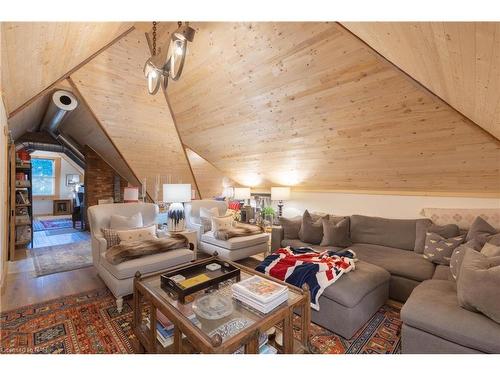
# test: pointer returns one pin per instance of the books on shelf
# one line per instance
(22, 197)
(165, 328)
(259, 293)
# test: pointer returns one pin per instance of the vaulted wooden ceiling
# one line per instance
(302, 104)
(310, 105)
(458, 61)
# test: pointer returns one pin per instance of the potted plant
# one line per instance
(268, 215)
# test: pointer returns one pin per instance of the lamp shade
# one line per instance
(130, 194)
(280, 193)
(241, 193)
(177, 193)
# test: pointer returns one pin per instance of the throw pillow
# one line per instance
(477, 287)
(126, 222)
(336, 233)
(222, 223)
(311, 231)
(456, 259)
(425, 225)
(110, 236)
(138, 234)
(206, 215)
(490, 250)
(480, 232)
(291, 227)
(438, 249)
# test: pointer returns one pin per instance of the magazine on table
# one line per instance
(260, 289)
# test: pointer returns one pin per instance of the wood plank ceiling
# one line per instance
(140, 125)
(310, 105)
(210, 180)
(458, 61)
(37, 54)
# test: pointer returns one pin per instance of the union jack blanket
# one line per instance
(299, 266)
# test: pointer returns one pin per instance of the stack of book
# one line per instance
(165, 328)
(260, 293)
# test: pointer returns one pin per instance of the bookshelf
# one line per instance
(21, 199)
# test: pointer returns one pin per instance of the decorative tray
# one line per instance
(184, 281)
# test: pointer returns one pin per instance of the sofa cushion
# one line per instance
(438, 249)
(394, 233)
(350, 289)
(490, 250)
(148, 264)
(433, 308)
(291, 227)
(425, 225)
(456, 260)
(398, 262)
(442, 273)
(235, 242)
(477, 287)
(335, 232)
(480, 232)
(311, 229)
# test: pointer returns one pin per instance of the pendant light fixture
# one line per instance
(165, 64)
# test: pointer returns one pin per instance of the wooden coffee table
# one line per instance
(149, 298)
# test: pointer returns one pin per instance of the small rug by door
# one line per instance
(61, 258)
(48, 223)
(89, 323)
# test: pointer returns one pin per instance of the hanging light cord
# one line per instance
(154, 38)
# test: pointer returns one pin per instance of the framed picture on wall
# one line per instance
(72, 179)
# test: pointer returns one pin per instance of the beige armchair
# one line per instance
(119, 278)
(232, 249)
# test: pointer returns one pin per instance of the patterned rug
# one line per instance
(61, 258)
(89, 323)
(52, 223)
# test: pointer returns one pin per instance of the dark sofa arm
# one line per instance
(277, 236)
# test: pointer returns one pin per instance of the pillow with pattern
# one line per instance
(138, 234)
(111, 237)
(438, 249)
(222, 223)
(206, 215)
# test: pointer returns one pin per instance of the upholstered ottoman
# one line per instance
(347, 304)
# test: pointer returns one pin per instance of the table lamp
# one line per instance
(280, 194)
(130, 194)
(176, 195)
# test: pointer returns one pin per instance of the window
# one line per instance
(44, 176)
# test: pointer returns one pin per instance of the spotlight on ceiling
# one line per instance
(162, 66)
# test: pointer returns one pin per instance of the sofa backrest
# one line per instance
(397, 233)
(99, 216)
(192, 209)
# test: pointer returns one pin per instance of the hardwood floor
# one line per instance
(22, 287)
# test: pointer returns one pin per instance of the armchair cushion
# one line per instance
(235, 242)
(148, 264)
(111, 237)
(120, 222)
(137, 234)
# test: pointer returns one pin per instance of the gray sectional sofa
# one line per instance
(390, 266)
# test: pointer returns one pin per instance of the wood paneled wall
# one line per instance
(36, 54)
(458, 61)
(310, 105)
(139, 124)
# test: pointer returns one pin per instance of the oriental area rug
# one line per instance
(89, 323)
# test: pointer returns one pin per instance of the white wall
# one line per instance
(3, 191)
(45, 207)
(390, 206)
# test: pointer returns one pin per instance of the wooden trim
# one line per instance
(66, 75)
(402, 193)
(93, 114)
(176, 128)
(419, 83)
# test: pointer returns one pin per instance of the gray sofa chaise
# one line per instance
(390, 266)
